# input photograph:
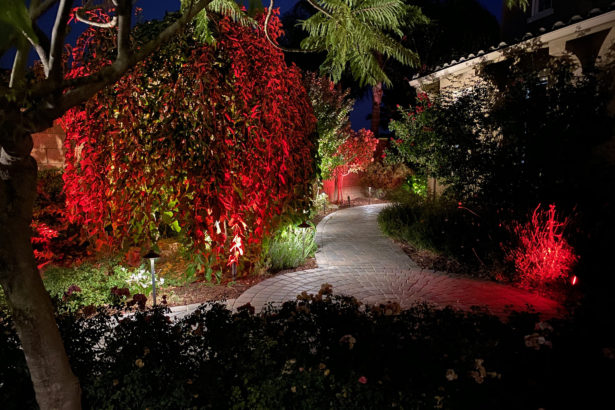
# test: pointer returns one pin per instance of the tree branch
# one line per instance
(124, 11)
(317, 7)
(108, 75)
(276, 45)
(42, 47)
(39, 9)
(21, 56)
(19, 67)
(57, 41)
(87, 7)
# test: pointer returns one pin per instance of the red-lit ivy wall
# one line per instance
(213, 142)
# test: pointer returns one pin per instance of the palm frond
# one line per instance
(223, 7)
(354, 32)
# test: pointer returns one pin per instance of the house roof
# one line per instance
(576, 24)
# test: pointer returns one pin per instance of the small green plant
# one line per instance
(290, 247)
(200, 264)
(139, 279)
(104, 283)
(320, 203)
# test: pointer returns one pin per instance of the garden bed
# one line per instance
(203, 291)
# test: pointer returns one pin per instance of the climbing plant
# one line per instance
(212, 142)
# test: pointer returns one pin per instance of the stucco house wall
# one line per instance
(48, 148)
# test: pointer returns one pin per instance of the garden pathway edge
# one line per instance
(358, 260)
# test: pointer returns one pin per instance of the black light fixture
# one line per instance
(151, 255)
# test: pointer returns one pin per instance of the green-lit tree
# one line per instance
(331, 106)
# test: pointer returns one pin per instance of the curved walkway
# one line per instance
(358, 260)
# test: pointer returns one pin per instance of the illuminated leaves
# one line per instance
(212, 142)
(542, 254)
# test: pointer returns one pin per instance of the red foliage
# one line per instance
(543, 254)
(358, 152)
(215, 141)
(54, 239)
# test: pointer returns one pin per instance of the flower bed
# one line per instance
(324, 352)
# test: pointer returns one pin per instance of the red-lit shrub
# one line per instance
(542, 254)
(357, 152)
(214, 143)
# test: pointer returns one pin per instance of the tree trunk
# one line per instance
(376, 103)
(55, 385)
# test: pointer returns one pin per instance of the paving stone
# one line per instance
(358, 260)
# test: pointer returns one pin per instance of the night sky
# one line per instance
(155, 9)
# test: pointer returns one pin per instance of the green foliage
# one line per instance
(15, 25)
(527, 133)
(418, 185)
(322, 352)
(448, 228)
(332, 107)
(204, 30)
(522, 4)
(290, 247)
(416, 142)
(385, 177)
(319, 203)
(94, 283)
(355, 32)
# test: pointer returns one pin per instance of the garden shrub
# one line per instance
(542, 254)
(528, 132)
(212, 143)
(386, 177)
(449, 228)
(322, 352)
(103, 283)
(332, 107)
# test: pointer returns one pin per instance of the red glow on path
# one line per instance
(574, 280)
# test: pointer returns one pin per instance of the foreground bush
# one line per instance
(323, 352)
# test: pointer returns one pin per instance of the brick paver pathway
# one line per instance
(358, 260)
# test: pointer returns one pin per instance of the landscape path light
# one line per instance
(304, 226)
(152, 256)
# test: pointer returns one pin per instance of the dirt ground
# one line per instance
(202, 291)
